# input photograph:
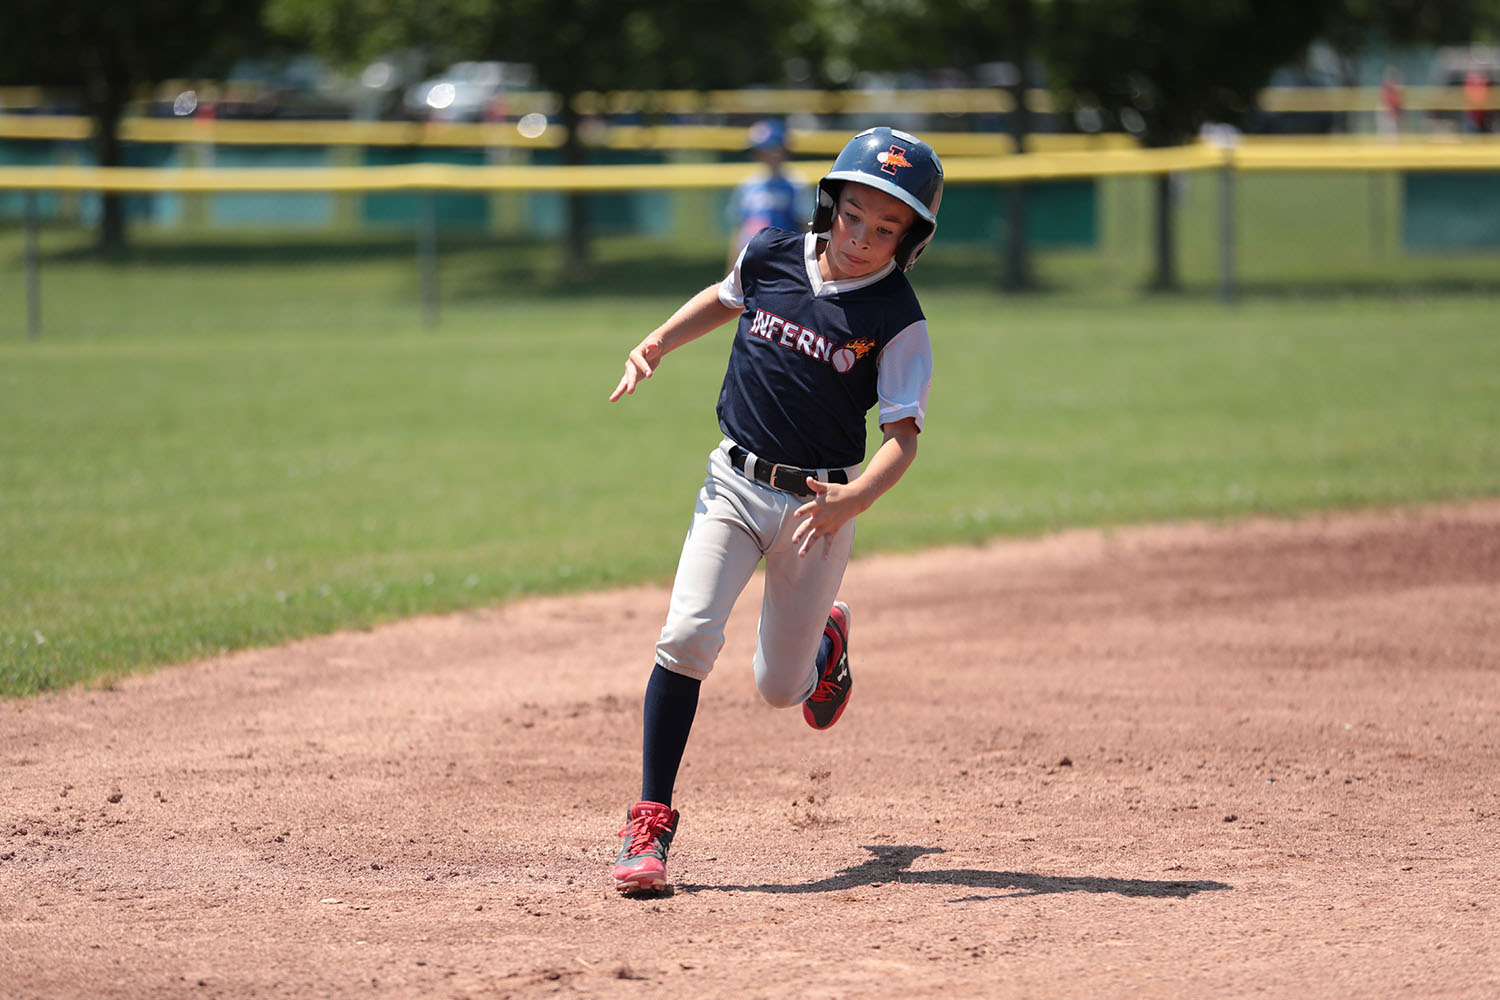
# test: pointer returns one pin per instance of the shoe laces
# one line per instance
(646, 829)
(827, 688)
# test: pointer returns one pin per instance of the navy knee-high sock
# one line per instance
(671, 703)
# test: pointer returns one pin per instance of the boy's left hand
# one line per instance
(832, 505)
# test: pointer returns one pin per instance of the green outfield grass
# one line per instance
(234, 443)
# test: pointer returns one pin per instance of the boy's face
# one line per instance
(867, 227)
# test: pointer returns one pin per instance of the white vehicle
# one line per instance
(464, 89)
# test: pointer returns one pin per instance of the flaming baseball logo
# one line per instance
(893, 158)
(845, 357)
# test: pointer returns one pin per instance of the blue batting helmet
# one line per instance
(768, 135)
(897, 163)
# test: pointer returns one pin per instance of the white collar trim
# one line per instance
(815, 274)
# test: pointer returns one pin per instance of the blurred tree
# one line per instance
(1438, 22)
(109, 52)
(934, 35)
(574, 45)
(358, 31)
(1164, 68)
(601, 45)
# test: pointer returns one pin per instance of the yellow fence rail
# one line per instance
(657, 138)
(502, 135)
(431, 178)
(1249, 156)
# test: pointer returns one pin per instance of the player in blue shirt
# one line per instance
(828, 328)
(770, 197)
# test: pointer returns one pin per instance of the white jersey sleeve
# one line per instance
(904, 375)
(731, 289)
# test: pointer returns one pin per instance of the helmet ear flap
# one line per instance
(913, 243)
(828, 197)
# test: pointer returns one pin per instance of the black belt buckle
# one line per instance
(789, 479)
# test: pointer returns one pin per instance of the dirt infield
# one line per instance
(1251, 760)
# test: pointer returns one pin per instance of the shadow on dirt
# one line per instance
(893, 864)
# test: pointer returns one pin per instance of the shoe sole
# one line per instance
(848, 621)
(640, 880)
(645, 884)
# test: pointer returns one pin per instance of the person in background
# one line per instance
(772, 196)
(1476, 100)
(1390, 102)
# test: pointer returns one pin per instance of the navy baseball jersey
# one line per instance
(810, 357)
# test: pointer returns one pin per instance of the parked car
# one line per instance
(290, 87)
(464, 90)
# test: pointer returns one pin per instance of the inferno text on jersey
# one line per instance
(772, 328)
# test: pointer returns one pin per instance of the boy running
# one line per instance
(828, 328)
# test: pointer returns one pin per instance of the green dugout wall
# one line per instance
(1442, 210)
(1059, 214)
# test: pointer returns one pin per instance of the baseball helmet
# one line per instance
(768, 136)
(897, 163)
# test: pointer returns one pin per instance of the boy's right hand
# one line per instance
(640, 365)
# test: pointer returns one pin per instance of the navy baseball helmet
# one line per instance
(897, 163)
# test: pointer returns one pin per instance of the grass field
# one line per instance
(221, 443)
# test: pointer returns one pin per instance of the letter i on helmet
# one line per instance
(897, 163)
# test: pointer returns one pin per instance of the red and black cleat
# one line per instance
(829, 699)
(642, 863)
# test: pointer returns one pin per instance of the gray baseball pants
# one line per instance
(738, 522)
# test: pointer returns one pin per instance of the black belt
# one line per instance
(787, 478)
